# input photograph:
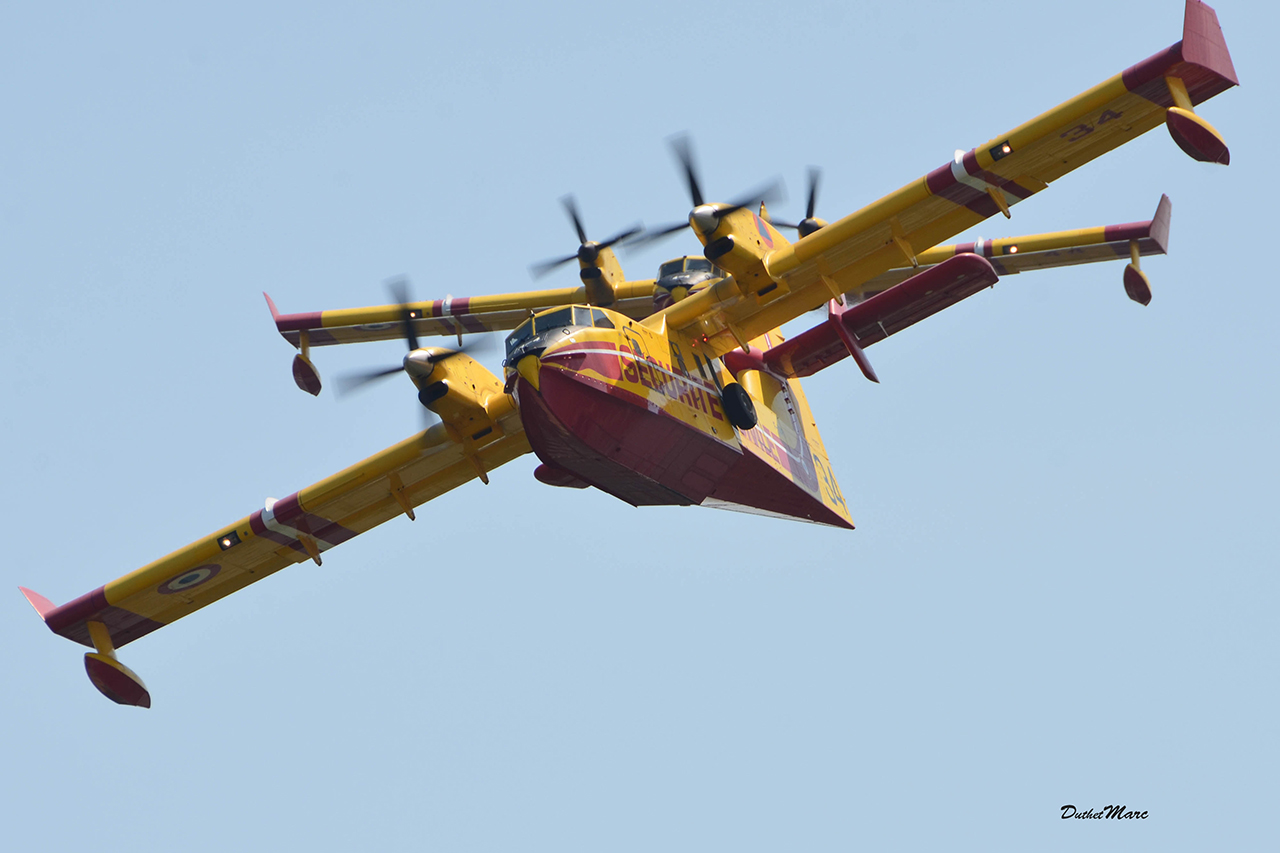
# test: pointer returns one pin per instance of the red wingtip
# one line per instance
(38, 601)
(1203, 43)
(1160, 224)
(272, 305)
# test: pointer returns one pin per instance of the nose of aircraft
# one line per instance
(527, 367)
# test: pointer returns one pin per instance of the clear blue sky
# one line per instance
(1062, 588)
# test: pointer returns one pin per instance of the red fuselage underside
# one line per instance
(609, 438)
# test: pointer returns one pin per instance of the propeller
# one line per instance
(809, 224)
(418, 360)
(683, 150)
(399, 288)
(351, 382)
(588, 250)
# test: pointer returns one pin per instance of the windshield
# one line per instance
(539, 325)
(692, 264)
(522, 333)
(553, 320)
(670, 268)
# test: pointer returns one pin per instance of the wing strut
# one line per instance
(835, 310)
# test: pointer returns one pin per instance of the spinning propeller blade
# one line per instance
(809, 224)
(350, 382)
(587, 249)
(683, 150)
(399, 288)
(815, 174)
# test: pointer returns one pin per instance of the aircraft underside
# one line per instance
(609, 438)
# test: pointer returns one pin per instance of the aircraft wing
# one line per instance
(452, 316)
(988, 179)
(1012, 255)
(894, 300)
(292, 530)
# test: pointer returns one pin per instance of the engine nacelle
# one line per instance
(463, 392)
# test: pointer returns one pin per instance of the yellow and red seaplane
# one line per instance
(680, 389)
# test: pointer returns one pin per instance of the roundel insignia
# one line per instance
(188, 579)
(764, 232)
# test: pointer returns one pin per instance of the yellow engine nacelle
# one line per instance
(738, 244)
(463, 392)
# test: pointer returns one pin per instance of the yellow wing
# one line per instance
(292, 530)
(1013, 255)
(443, 317)
(447, 317)
(987, 180)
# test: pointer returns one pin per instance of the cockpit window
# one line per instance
(686, 265)
(553, 320)
(559, 318)
(522, 333)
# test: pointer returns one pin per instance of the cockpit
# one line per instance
(541, 330)
(677, 278)
(687, 271)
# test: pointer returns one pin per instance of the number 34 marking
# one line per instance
(1080, 131)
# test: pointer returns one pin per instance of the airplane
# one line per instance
(682, 389)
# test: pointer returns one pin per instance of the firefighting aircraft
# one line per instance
(680, 389)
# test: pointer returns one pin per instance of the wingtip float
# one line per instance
(112, 678)
(1204, 50)
(681, 389)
